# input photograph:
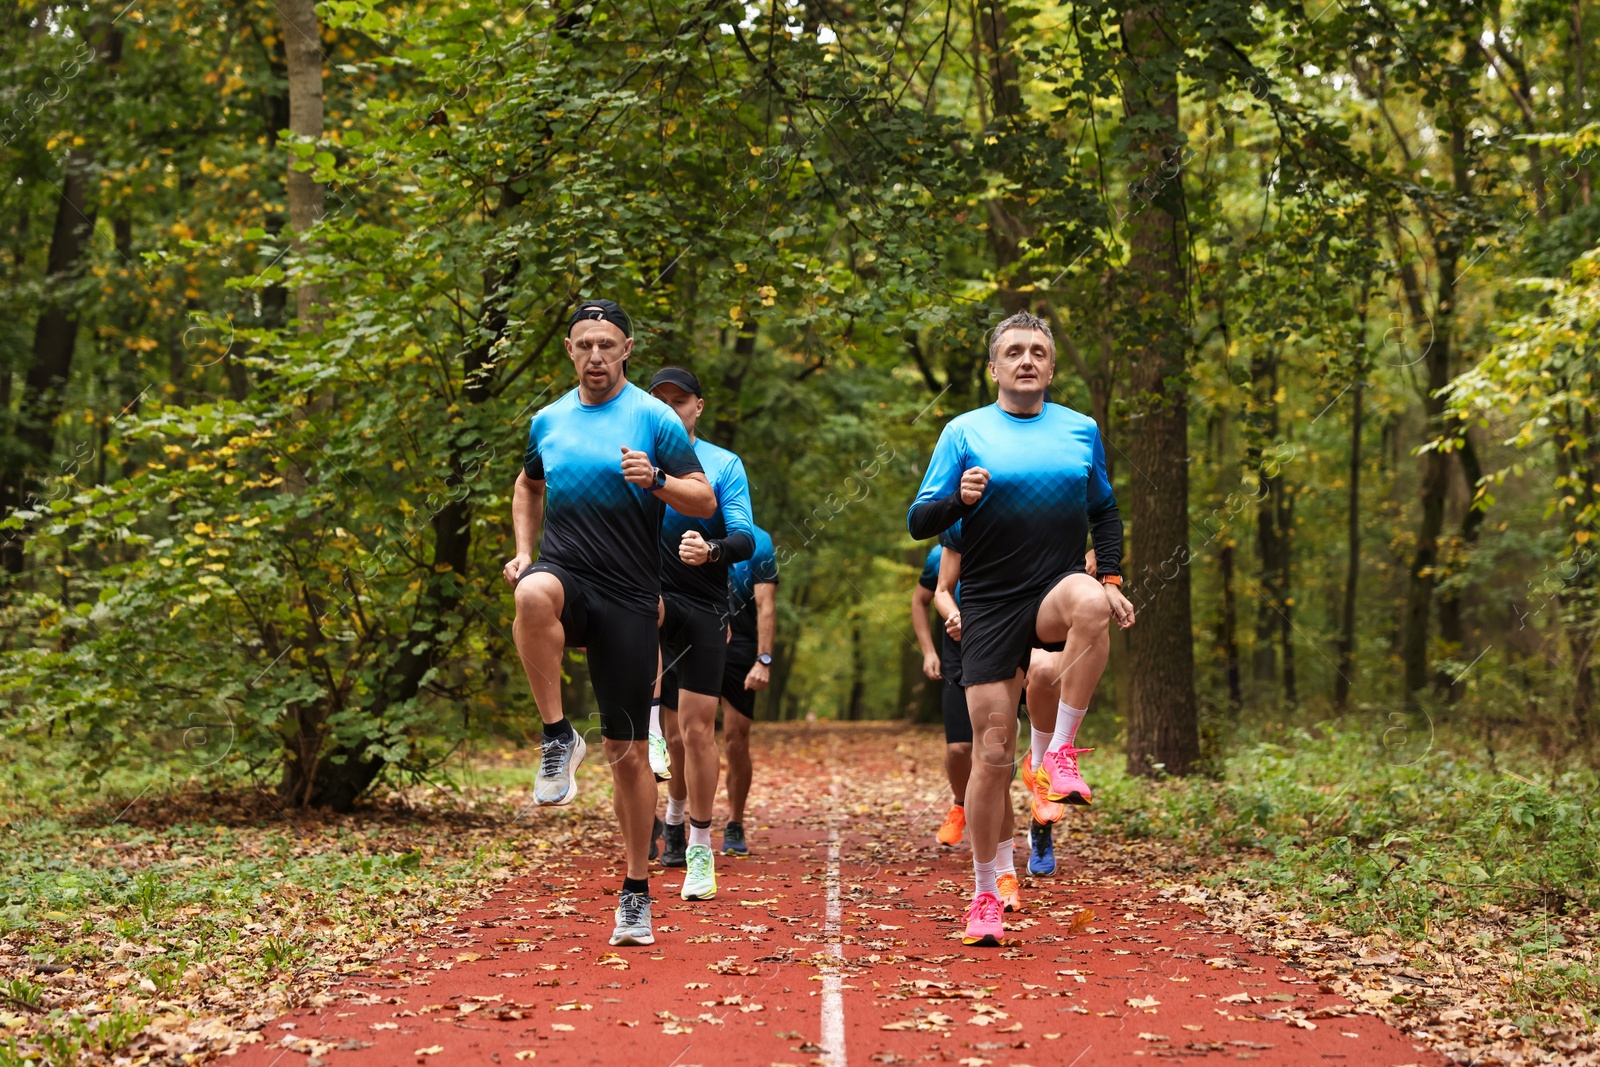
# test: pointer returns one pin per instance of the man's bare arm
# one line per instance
(527, 522)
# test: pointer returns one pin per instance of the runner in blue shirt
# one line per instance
(695, 556)
(1027, 481)
(753, 621)
(601, 464)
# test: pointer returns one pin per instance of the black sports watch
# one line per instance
(660, 476)
(765, 659)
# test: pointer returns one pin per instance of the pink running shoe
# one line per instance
(985, 921)
(1060, 776)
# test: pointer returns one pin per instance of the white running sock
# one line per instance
(699, 835)
(985, 875)
(655, 717)
(1040, 744)
(1067, 720)
(676, 809)
(1003, 862)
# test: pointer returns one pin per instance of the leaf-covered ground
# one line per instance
(176, 926)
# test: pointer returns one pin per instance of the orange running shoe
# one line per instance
(955, 821)
(1010, 892)
(1045, 810)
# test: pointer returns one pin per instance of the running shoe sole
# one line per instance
(986, 941)
(631, 937)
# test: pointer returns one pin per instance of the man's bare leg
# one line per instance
(540, 638)
(993, 708)
(1044, 685)
(1077, 612)
(633, 798)
(736, 736)
(697, 722)
(958, 769)
(675, 822)
(678, 784)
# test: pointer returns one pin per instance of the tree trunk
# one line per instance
(1579, 91)
(302, 38)
(1163, 725)
(1284, 592)
(858, 675)
(55, 338)
(1345, 675)
(1270, 543)
(1452, 625)
(1228, 629)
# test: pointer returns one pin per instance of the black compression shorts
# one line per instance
(996, 639)
(619, 640)
(694, 645)
(952, 697)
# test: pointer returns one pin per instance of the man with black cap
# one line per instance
(695, 555)
(601, 466)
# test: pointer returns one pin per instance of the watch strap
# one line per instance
(1112, 579)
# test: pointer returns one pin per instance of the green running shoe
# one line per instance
(700, 881)
(660, 758)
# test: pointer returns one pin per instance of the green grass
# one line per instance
(160, 894)
(1353, 836)
(1334, 827)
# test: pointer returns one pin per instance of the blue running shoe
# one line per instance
(1041, 850)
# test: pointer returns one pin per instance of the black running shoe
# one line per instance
(655, 837)
(676, 852)
(733, 840)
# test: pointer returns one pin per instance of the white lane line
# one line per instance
(832, 1042)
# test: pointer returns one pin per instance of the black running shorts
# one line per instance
(694, 645)
(619, 640)
(741, 657)
(996, 638)
(952, 697)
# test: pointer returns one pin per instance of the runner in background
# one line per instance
(695, 556)
(944, 666)
(753, 620)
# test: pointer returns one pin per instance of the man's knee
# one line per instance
(1092, 610)
(625, 756)
(538, 597)
(959, 749)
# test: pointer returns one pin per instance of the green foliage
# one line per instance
(1357, 836)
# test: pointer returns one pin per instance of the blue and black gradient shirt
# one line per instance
(706, 586)
(1047, 493)
(601, 528)
(930, 567)
(760, 569)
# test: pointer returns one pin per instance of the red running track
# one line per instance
(837, 942)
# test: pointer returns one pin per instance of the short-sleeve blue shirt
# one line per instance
(706, 586)
(599, 527)
(743, 577)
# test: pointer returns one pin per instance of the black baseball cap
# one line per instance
(682, 377)
(602, 310)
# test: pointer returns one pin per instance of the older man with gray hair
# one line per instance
(1027, 481)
